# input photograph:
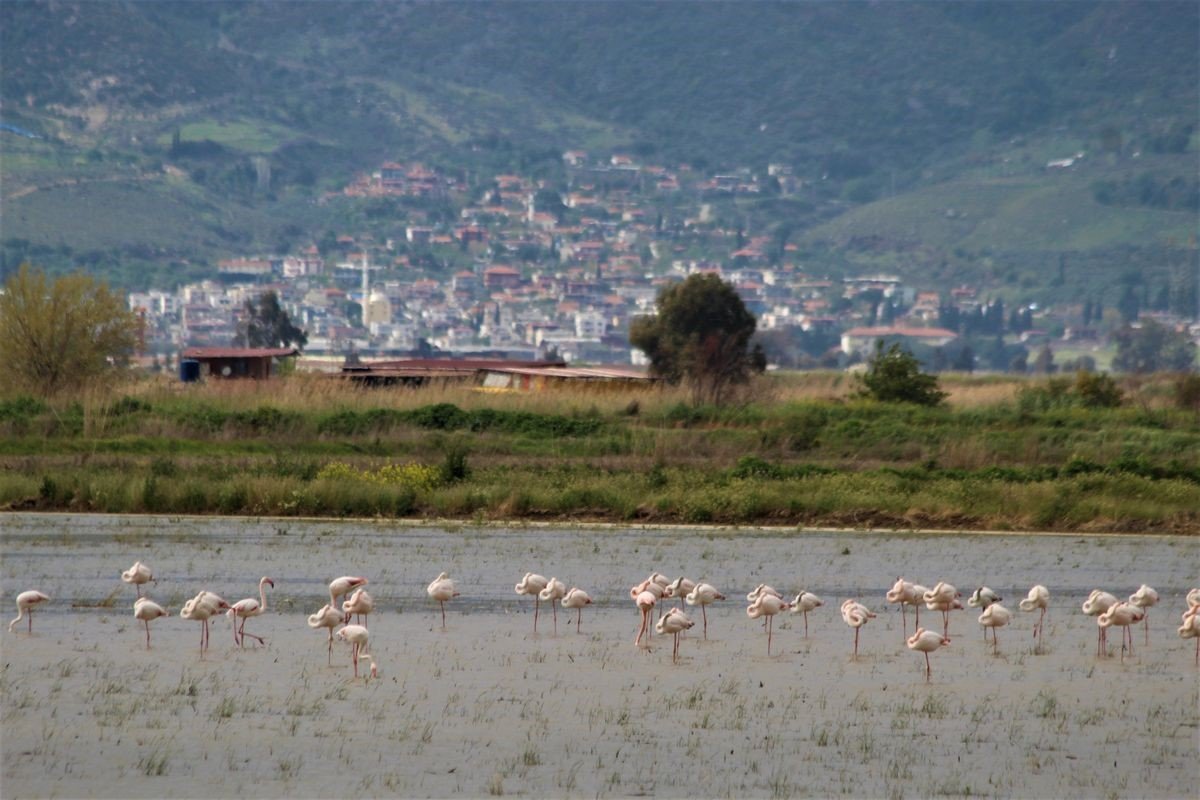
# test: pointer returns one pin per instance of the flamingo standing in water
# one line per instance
(1190, 629)
(1144, 598)
(855, 614)
(138, 574)
(26, 603)
(533, 584)
(767, 605)
(329, 618)
(982, 598)
(200, 608)
(441, 590)
(555, 590)
(657, 590)
(679, 589)
(674, 622)
(907, 594)
(244, 609)
(804, 603)
(576, 598)
(645, 600)
(943, 597)
(704, 595)
(358, 637)
(994, 616)
(1097, 603)
(1038, 597)
(1123, 615)
(360, 605)
(923, 641)
(339, 586)
(146, 609)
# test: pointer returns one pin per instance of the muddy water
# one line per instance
(485, 707)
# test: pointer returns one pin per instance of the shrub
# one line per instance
(895, 376)
(1097, 390)
(1187, 391)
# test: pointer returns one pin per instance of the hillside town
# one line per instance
(527, 272)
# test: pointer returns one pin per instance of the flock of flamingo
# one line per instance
(765, 603)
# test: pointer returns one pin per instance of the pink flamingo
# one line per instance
(674, 622)
(360, 604)
(656, 588)
(200, 608)
(679, 589)
(1190, 629)
(923, 641)
(645, 600)
(943, 597)
(704, 595)
(855, 614)
(339, 586)
(576, 598)
(1038, 597)
(244, 609)
(1097, 603)
(533, 584)
(804, 603)
(329, 618)
(767, 605)
(138, 574)
(358, 638)
(994, 616)
(907, 594)
(1144, 598)
(1123, 615)
(555, 590)
(146, 609)
(26, 603)
(441, 590)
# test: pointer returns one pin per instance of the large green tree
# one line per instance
(267, 324)
(700, 336)
(894, 376)
(61, 336)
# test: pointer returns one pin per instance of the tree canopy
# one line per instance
(895, 375)
(266, 324)
(61, 336)
(1153, 347)
(700, 335)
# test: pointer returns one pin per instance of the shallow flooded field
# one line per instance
(485, 707)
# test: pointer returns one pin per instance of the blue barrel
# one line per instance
(189, 370)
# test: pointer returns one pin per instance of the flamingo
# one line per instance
(576, 598)
(442, 589)
(923, 641)
(146, 609)
(658, 590)
(555, 590)
(704, 595)
(1038, 597)
(200, 608)
(855, 614)
(767, 605)
(679, 589)
(1122, 615)
(982, 598)
(907, 594)
(339, 586)
(804, 603)
(674, 622)
(1097, 603)
(358, 637)
(645, 600)
(360, 604)
(26, 602)
(994, 616)
(1193, 598)
(760, 590)
(138, 574)
(1190, 629)
(532, 584)
(943, 597)
(328, 617)
(244, 609)
(1144, 598)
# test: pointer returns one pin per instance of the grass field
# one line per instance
(1001, 454)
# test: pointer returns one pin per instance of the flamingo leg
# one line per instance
(918, 613)
(856, 642)
(442, 603)
(579, 620)
(903, 621)
(251, 635)
(554, 613)
(928, 669)
(329, 654)
(637, 642)
(1146, 628)
(704, 613)
(806, 624)
(147, 633)
(770, 619)
(536, 605)
(675, 652)
(31, 620)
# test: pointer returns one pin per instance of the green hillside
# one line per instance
(920, 131)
